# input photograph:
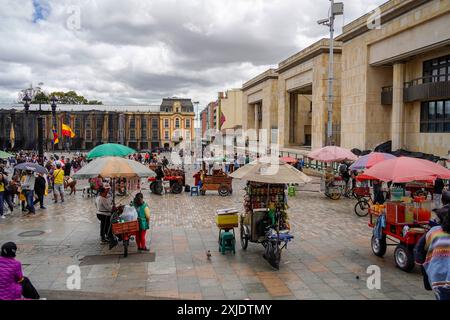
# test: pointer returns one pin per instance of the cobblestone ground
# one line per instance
(328, 258)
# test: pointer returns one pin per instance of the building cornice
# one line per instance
(270, 74)
(318, 48)
(389, 11)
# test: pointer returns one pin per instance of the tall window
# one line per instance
(177, 123)
(437, 70)
(77, 123)
(155, 135)
(154, 123)
(143, 128)
(435, 116)
(166, 123)
(188, 123)
(133, 134)
(132, 123)
(166, 135)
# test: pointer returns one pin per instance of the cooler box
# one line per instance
(227, 218)
(397, 194)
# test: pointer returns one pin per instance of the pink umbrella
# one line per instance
(288, 159)
(405, 169)
(332, 154)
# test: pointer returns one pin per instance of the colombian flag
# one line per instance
(67, 131)
(55, 136)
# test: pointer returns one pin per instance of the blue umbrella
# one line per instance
(30, 166)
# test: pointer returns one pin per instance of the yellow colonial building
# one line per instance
(176, 121)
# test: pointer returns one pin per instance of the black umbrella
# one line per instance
(30, 166)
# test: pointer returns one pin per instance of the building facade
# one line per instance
(396, 79)
(391, 83)
(139, 127)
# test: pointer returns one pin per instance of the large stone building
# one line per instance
(396, 79)
(139, 127)
(391, 83)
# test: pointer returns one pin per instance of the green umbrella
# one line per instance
(110, 149)
(5, 155)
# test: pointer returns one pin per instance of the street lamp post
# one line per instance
(53, 99)
(335, 10)
(26, 101)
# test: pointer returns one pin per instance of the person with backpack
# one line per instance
(13, 285)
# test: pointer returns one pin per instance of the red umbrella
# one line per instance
(288, 159)
(332, 154)
(406, 169)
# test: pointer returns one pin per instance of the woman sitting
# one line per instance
(13, 285)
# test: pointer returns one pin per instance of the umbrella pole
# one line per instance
(114, 191)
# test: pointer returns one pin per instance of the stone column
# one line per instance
(256, 120)
(398, 108)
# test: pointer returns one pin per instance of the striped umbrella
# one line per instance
(369, 160)
(114, 167)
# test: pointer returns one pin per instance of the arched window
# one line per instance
(177, 123)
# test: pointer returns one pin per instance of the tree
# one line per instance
(39, 96)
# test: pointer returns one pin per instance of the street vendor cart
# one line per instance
(116, 168)
(219, 181)
(402, 220)
(402, 224)
(265, 219)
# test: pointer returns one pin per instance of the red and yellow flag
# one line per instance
(55, 136)
(67, 131)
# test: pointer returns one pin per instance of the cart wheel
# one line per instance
(125, 248)
(404, 258)
(362, 208)
(334, 195)
(223, 191)
(244, 237)
(176, 188)
(158, 188)
(152, 186)
(378, 246)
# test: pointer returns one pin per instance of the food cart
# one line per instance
(402, 220)
(402, 223)
(219, 181)
(175, 177)
(115, 168)
(265, 219)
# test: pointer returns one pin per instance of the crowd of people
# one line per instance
(27, 188)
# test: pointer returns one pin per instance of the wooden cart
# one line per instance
(219, 182)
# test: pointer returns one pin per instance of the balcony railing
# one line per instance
(427, 88)
(420, 89)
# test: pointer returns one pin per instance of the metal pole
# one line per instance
(40, 138)
(330, 78)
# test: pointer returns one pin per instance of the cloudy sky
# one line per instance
(136, 51)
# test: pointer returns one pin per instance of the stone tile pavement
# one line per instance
(328, 258)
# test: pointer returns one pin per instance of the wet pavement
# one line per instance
(328, 258)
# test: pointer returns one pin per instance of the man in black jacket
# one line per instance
(39, 190)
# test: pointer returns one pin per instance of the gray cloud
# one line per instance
(141, 51)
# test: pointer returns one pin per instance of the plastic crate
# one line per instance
(125, 227)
